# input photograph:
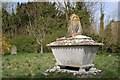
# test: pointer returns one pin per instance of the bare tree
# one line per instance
(38, 30)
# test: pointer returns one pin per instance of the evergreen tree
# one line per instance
(5, 22)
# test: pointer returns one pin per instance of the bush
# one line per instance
(25, 43)
(6, 46)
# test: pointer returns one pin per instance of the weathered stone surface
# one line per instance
(74, 40)
(82, 71)
(75, 51)
(93, 71)
(14, 50)
(76, 56)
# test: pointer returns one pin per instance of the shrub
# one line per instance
(25, 43)
(6, 46)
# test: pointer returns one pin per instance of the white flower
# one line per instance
(15, 68)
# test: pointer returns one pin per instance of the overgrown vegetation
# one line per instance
(34, 64)
(44, 21)
(25, 43)
(36, 24)
(6, 46)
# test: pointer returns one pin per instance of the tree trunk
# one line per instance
(66, 13)
(15, 31)
(102, 24)
(41, 46)
(101, 21)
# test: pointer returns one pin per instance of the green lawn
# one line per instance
(34, 64)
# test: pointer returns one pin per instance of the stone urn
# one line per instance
(76, 51)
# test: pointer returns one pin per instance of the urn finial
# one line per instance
(75, 27)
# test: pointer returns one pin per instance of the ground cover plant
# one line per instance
(33, 65)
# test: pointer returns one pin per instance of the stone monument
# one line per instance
(74, 53)
(14, 50)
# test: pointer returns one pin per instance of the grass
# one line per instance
(25, 65)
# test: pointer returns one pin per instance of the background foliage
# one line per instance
(30, 44)
(34, 25)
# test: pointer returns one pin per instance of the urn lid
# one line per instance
(74, 41)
